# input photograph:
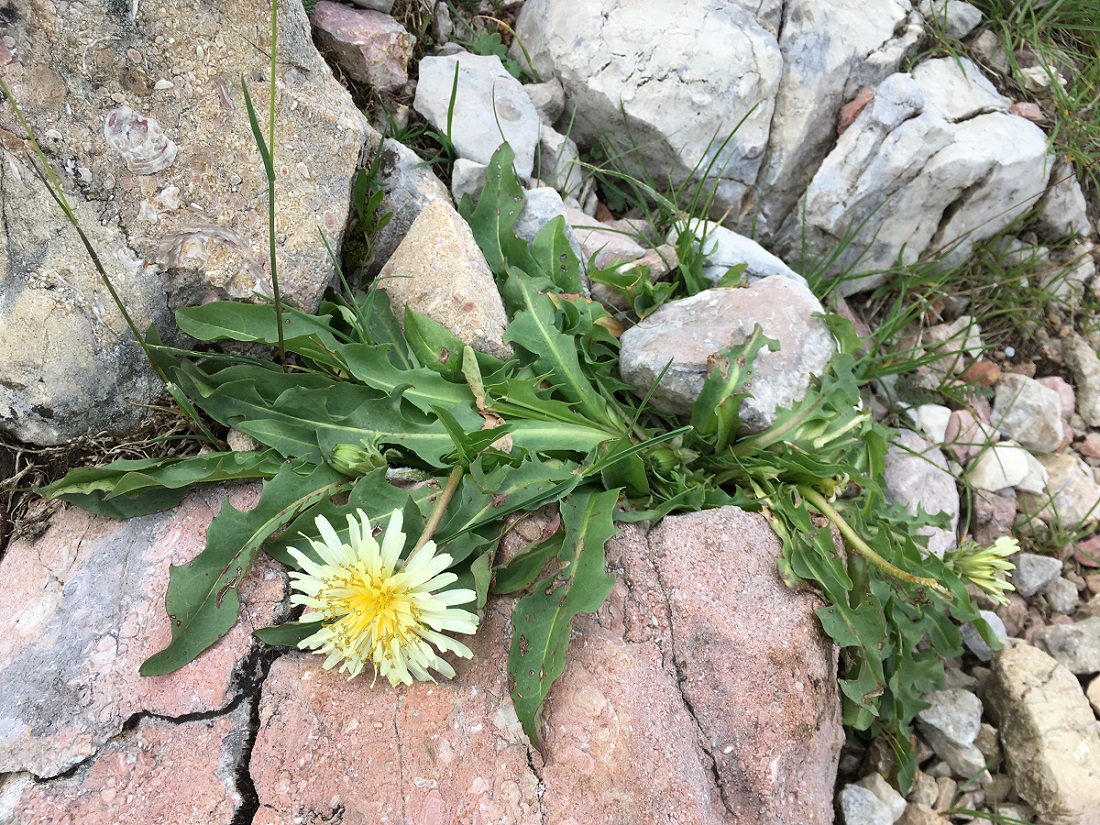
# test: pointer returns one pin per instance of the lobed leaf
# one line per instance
(541, 620)
(202, 600)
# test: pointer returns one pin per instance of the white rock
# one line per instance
(1048, 734)
(893, 800)
(1071, 497)
(622, 64)
(1063, 210)
(559, 162)
(1001, 465)
(468, 178)
(973, 640)
(933, 164)
(691, 330)
(958, 18)
(1083, 363)
(932, 420)
(725, 248)
(490, 106)
(916, 475)
(1061, 596)
(860, 806)
(866, 42)
(1028, 412)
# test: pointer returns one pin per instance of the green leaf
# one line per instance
(497, 209)
(541, 620)
(555, 257)
(555, 354)
(286, 635)
(372, 365)
(715, 414)
(202, 599)
(132, 487)
(521, 571)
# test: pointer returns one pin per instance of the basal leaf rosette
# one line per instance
(371, 607)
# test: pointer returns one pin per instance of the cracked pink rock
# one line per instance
(161, 772)
(83, 605)
(701, 665)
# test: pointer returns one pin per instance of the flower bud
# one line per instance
(356, 460)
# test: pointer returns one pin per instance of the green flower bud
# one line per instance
(356, 460)
(985, 566)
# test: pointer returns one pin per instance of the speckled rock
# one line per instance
(692, 330)
(409, 184)
(160, 772)
(1075, 646)
(1048, 734)
(1071, 495)
(440, 272)
(916, 475)
(371, 47)
(83, 605)
(638, 729)
(192, 230)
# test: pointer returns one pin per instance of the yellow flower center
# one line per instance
(365, 607)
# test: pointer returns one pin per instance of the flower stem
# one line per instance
(855, 541)
(441, 503)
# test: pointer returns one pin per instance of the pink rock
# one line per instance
(965, 437)
(992, 516)
(850, 110)
(610, 246)
(371, 47)
(83, 605)
(163, 772)
(1066, 396)
(1090, 447)
(679, 678)
(731, 614)
(1029, 110)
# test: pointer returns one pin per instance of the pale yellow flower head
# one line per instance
(374, 608)
(985, 566)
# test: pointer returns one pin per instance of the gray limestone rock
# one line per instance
(158, 161)
(490, 107)
(1034, 573)
(933, 164)
(956, 18)
(408, 185)
(1071, 497)
(691, 331)
(885, 792)
(1063, 211)
(861, 806)
(1083, 363)
(829, 50)
(558, 162)
(1048, 734)
(973, 640)
(1028, 412)
(917, 476)
(955, 714)
(1061, 596)
(548, 98)
(725, 248)
(468, 178)
(998, 467)
(439, 271)
(625, 77)
(1075, 646)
